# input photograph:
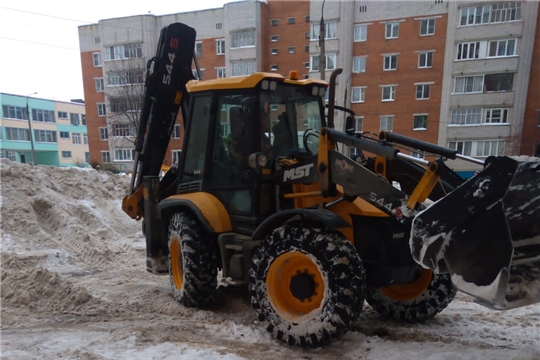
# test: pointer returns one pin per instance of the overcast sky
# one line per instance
(40, 45)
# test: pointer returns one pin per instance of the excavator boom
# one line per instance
(165, 94)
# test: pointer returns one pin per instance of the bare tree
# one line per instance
(125, 94)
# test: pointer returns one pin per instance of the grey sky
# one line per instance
(40, 45)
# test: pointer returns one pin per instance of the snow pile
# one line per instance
(74, 286)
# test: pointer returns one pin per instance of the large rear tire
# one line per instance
(420, 300)
(306, 284)
(193, 262)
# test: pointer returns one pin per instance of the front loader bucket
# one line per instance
(486, 234)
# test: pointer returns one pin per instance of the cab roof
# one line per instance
(246, 82)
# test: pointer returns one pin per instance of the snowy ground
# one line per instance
(74, 286)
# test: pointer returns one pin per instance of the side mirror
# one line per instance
(350, 125)
(311, 142)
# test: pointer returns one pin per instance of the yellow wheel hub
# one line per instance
(177, 268)
(294, 285)
(410, 291)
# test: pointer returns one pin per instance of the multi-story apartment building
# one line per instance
(58, 131)
(447, 72)
(489, 50)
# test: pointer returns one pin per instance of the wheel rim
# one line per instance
(177, 269)
(294, 285)
(410, 291)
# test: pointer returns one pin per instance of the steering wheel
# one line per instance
(311, 141)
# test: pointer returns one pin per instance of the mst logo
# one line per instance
(297, 173)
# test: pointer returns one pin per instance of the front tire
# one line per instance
(193, 262)
(420, 300)
(306, 284)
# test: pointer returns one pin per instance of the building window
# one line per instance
(243, 38)
(176, 132)
(176, 156)
(420, 122)
(219, 26)
(306, 65)
(87, 157)
(17, 134)
(386, 122)
(99, 84)
(76, 138)
(14, 112)
(329, 30)
(85, 139)
(388, 93)
(83, 119)
(330, 62)
(102, 109)
(220, 47)
(105, 157)
(274, 51)
(45, 136)
(292, 20)
(466, 116)
(359, 64)
(103, 134)
(468, 84)
(490, 148)
(126, 51)
(123, 154)
(425, 59)
(390, 62)
(360, 32)
(496, 116)
(242, 67)
(96, 58)
(74, 119)
(475, 15)
(274, 22)
(499, 82)
(306, 48)
(198, 49)
(362, 8)
(505, 11)
(221, 72)
(358, 94)
(502, 48)
(274, 38)
(307, 35)
(63, 115)
(392, 30)
(427, 27)
(123, 130)
(468, 51)
(43, 115)
(64, 135)
(274, 67)
(292, 49)
(422, 91)
(97, 40)
(462, 147)
(66, 154)
(126, 77)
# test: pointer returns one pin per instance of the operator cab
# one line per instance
(237, 128)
